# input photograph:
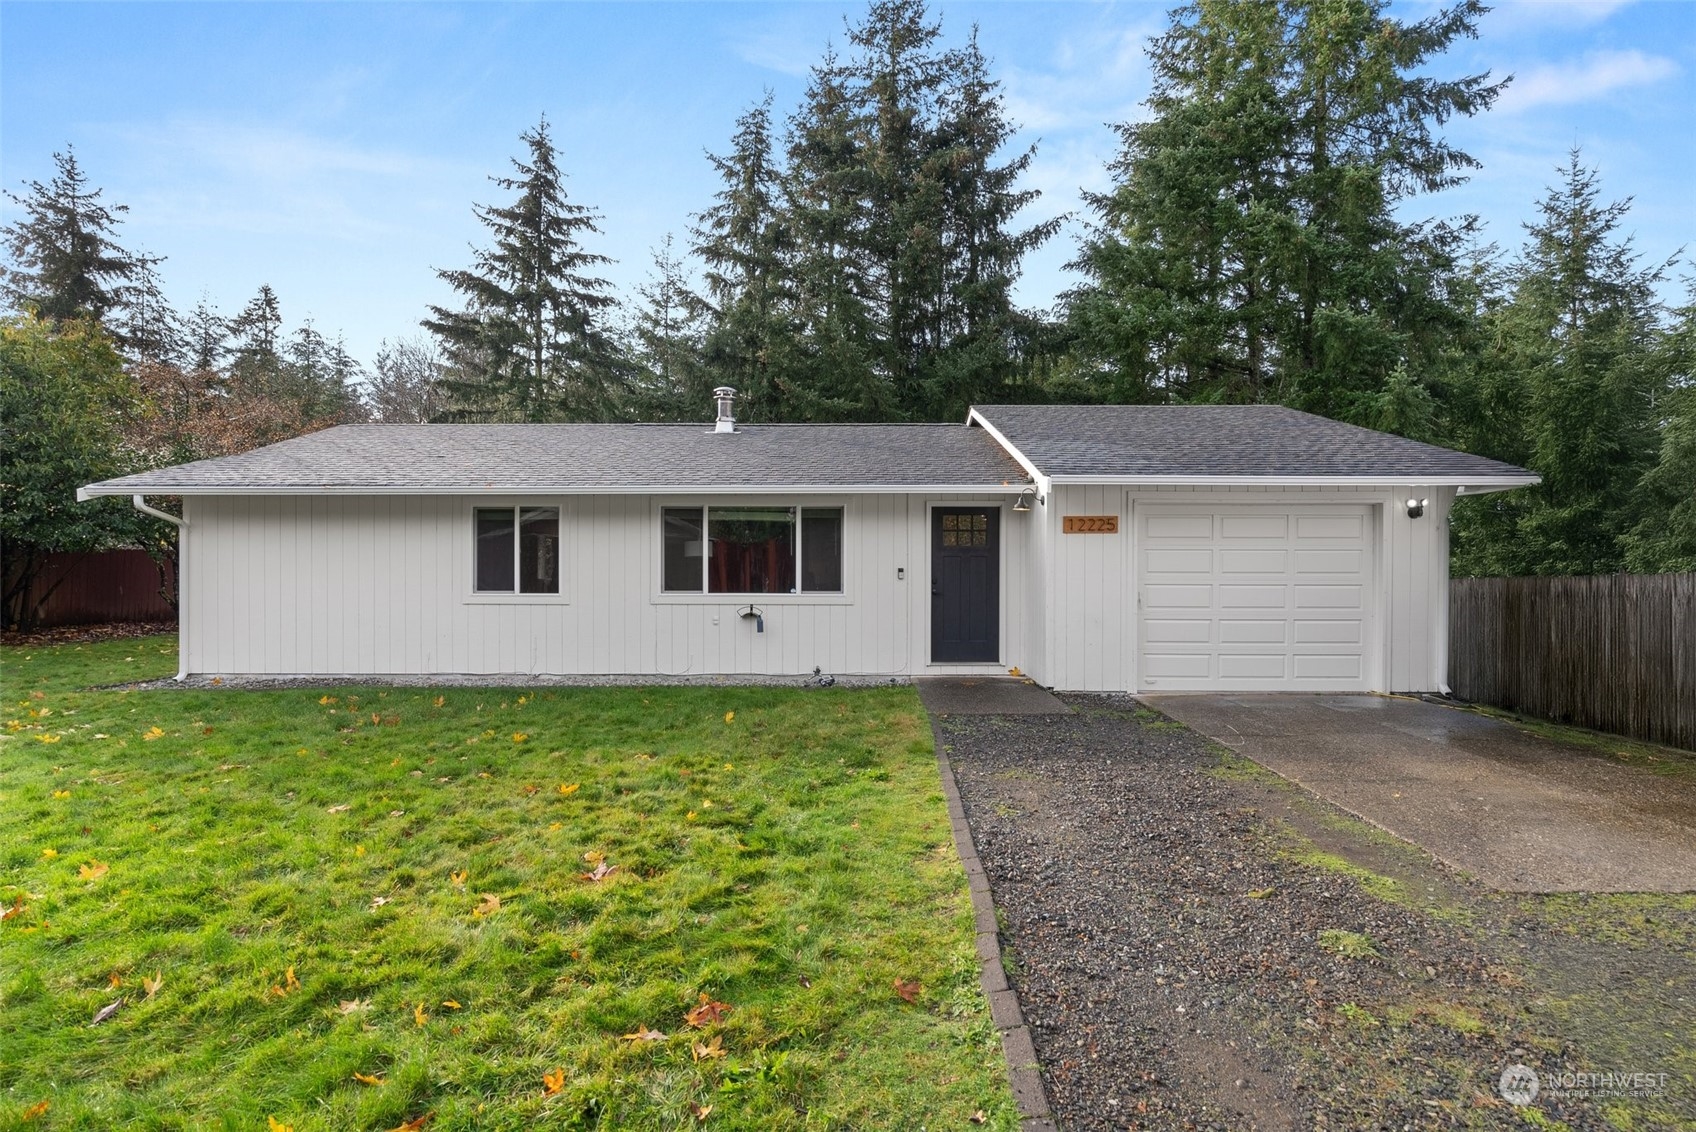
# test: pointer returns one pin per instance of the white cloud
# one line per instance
(1525, 14)
(1581, 80)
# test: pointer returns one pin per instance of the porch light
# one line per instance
(1023, 503)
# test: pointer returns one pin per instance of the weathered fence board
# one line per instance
(1614, 653)
(107, 585)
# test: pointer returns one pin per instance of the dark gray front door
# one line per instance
(965, 584)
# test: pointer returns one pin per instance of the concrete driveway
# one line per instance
(1519, 812)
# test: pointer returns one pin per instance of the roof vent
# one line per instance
(725, 398)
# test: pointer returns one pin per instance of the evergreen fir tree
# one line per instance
(744, 242)
(256, 367)
(672, 382)
(1251, 248)
(530, 344)
(65, 261)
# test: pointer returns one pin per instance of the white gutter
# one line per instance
(1004, 488)
(139, 502)
(1471, 484)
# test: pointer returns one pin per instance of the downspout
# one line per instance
(1440, 565)
(139, 502)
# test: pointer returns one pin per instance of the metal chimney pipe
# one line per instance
(725, 397)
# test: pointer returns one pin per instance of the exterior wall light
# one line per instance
(1023, 503)
(1416, 507)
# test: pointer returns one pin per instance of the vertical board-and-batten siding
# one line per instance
(382, 585)
(1090, 615)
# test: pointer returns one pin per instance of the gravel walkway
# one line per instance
(1167, 939)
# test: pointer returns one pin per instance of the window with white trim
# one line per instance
(751, 550)
(517, 550)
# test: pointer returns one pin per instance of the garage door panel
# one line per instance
(1330, 526)
(1254, 526)
(1338, 632)
(1179, 526)
(1327, 667)
(1178, 597)
(1254, 666)
(1254, 597)
(1237, 632)
(1329, 561)
(1183, 666)
(1253, 561)
(1165, 630)
(1186, 561)
(1329, 597)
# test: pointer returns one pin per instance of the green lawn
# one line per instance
(367, 906)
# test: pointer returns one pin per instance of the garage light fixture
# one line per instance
(1023, 503)
(1416, 507)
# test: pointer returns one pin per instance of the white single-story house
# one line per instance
(1109, 548)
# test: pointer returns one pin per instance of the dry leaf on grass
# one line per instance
(601, 872)
(706, 1012)
(450, 1004)
(378, 901)
(979, 1117)
(710, 1050)
(490, 905)
(107, 1011)
(553, 1082)
(459, 878)
(414, 1124)
(418, 1015)
(699, 1111)
(272, 1124)
(340, 808)
(151, 986)
(642, 1034)
(37, 1109)
(570, 789)
(353, 1005)
(908, 990)
(366, 1078)
(94, 870)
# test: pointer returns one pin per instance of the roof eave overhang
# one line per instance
(1468, 485)
(1005, 488)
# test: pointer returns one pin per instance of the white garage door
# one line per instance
(1254, 598)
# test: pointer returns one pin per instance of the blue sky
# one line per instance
(334, 150)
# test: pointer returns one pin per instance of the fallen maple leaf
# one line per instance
(450, 1004)
(272, 1124)
(491, 904)
(366, 1078)
(61, 793)
(908, 990)
(153, 733)
(706, 1012)
(414, 1124)
(94, 870)
(519, 736)
(642, 1034)
(570, 790)
(700, 1112)
(12, 909)
(107, 1011)
(979, 1117)
(353, 1005)
(418, 1015)
(151, 986)
(326, 699)
(712, 1050)
(378, 901)
(37, 1109)
(290, 981)
(530, 789)
(602, 872)
(553, 1082)
(730, 717)
(115, 980)
(460, 877)
(439, 701)
(339, 808)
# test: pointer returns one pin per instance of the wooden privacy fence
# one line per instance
(1614, 653)
(107, 585)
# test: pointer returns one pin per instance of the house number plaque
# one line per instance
(1090, 525)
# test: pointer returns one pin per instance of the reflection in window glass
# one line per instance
(752, 550)
(494, 550)
(821, 550)
(538, 550)
(682, 568)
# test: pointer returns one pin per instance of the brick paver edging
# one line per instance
(1022, 1071)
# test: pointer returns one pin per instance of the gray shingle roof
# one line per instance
(1158, 441)
(444, 459)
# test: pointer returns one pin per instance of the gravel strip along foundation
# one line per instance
(1195, 944)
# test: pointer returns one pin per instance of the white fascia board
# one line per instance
(1472, 485)
(86, 493)
(1044, 484)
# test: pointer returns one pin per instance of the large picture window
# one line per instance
(752, 550)
(517, 550)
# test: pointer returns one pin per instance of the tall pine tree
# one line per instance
(1251, 249)
(530, 343)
